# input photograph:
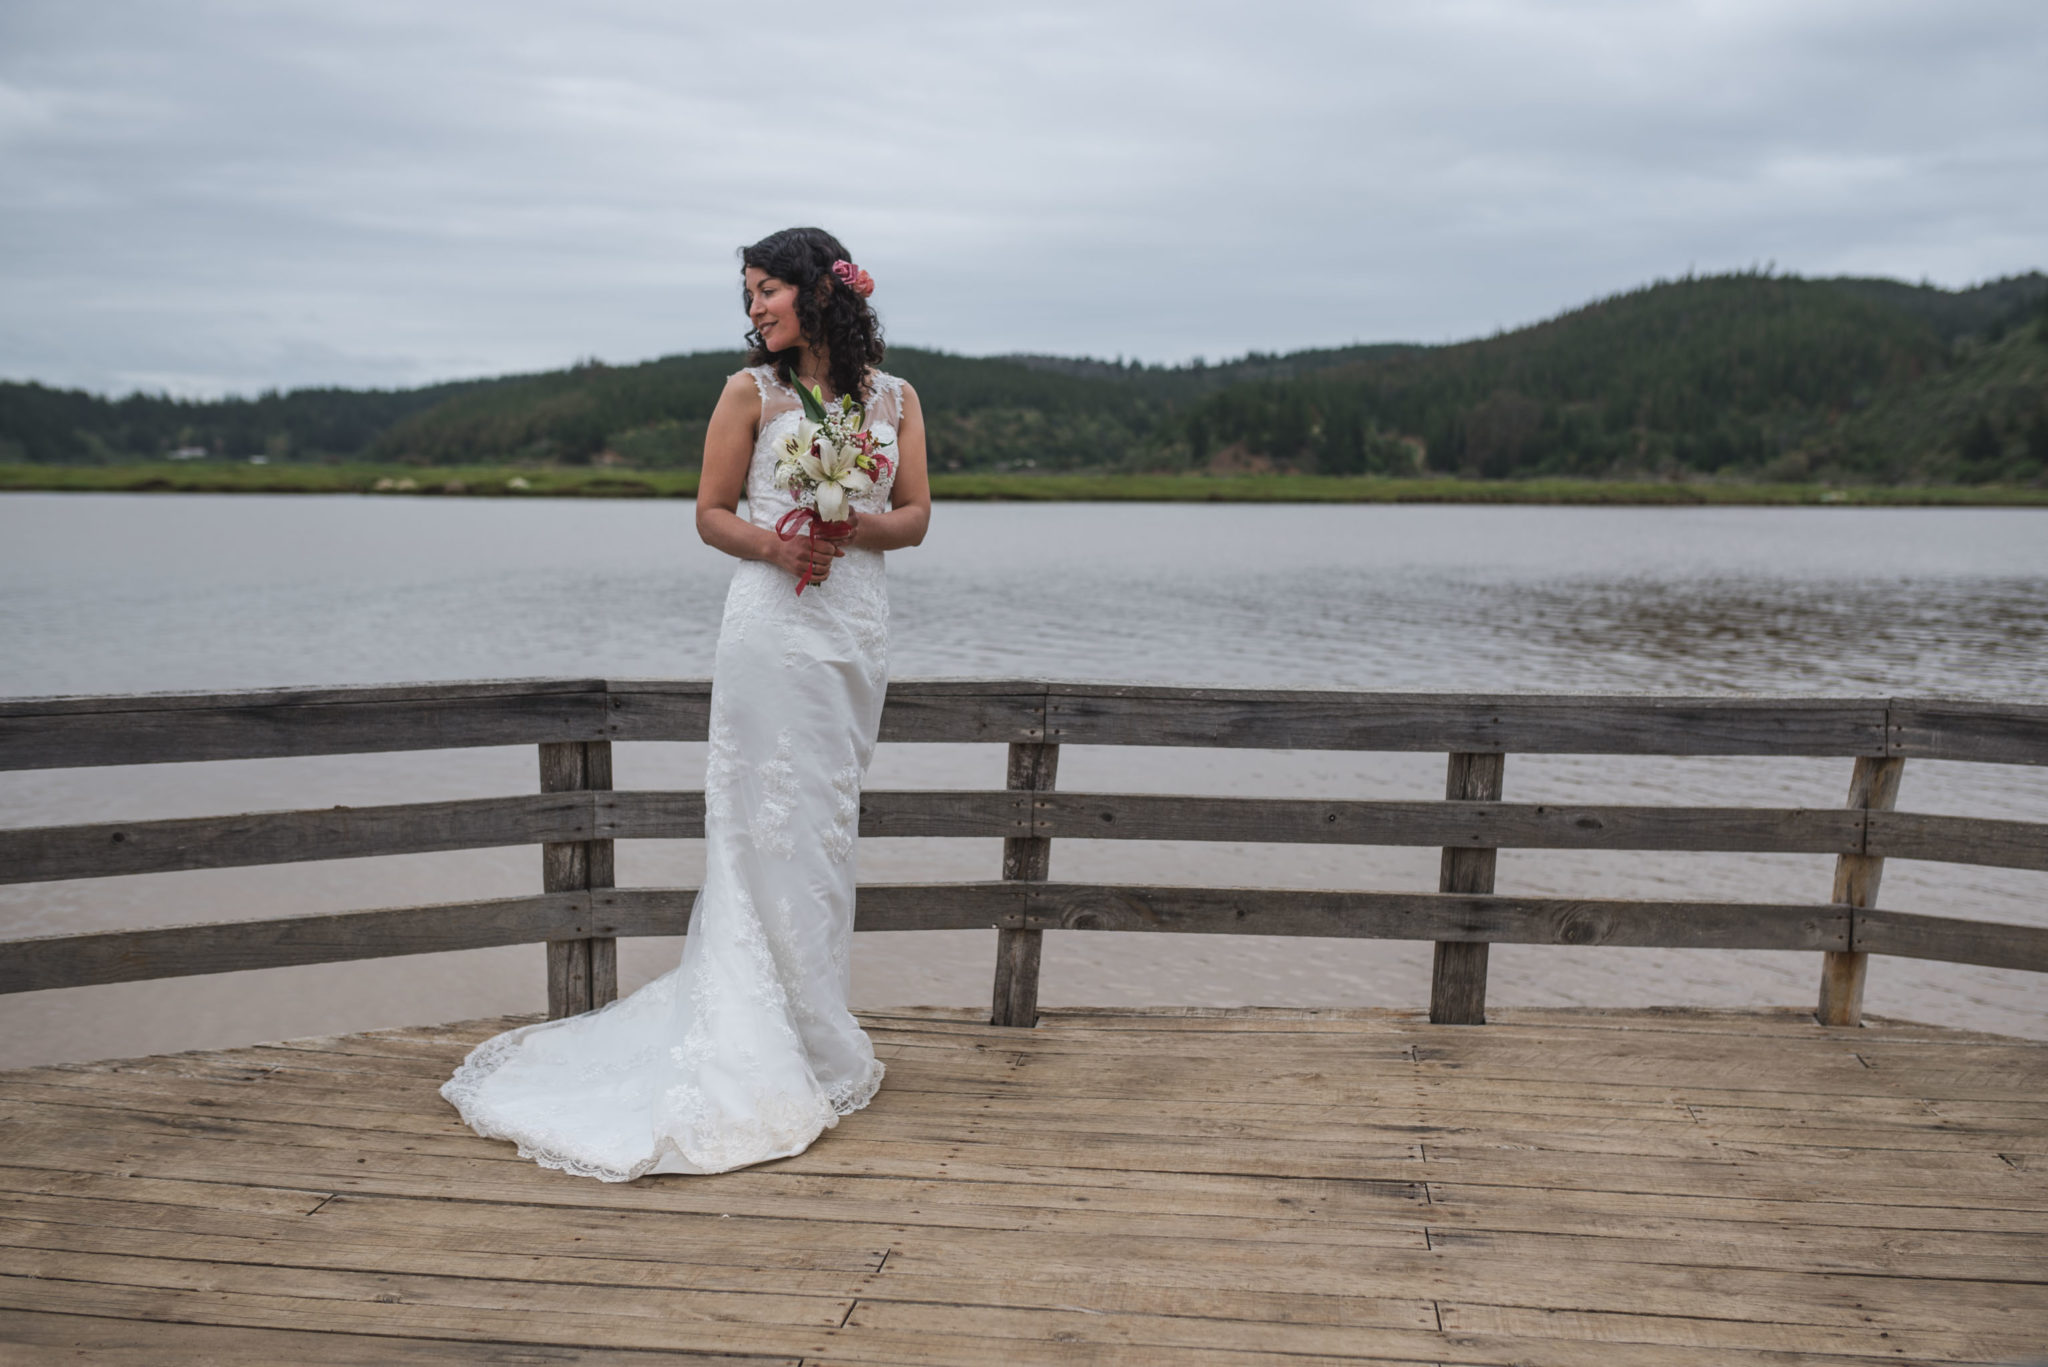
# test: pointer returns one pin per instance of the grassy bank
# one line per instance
(196, 477)
(1371, 489)
(579, 482)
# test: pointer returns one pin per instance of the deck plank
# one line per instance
(33, 1340)
(1212, 1186)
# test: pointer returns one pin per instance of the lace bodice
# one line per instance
(781, 410)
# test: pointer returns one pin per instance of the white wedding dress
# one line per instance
(746, 1050)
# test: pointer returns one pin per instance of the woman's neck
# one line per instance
(812, 366)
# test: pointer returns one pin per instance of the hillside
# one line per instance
(1747, 375)
(1759, 375)
(69, 426)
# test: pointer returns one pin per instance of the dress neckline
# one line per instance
(875, 377)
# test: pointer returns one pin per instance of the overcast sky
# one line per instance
(224, 197)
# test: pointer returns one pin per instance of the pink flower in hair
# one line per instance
(854, 278)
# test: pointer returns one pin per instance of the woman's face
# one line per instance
(771, 307)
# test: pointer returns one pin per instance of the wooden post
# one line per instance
(1457, 988)
(1027, 858)
(582, 974)
(1873, 788)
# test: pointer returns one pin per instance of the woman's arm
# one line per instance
(728, 451)
(910, 497)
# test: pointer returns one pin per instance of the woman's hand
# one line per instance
(801, 552)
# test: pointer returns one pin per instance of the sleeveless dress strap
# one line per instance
(776, 397)
(886, 403)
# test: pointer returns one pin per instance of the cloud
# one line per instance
(229, 196)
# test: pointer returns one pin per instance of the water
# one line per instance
(110, 593)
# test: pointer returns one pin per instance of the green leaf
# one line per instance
(813, 401)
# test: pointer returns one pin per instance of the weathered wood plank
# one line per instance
(173, 951)
(341, 1296)
(152, 728)
(659, 709)
(1435, 916)
(640, 1247)
(1873, 788)
(264, 728)
(1957, 728)
(986, 815)
(1026, 858)
(942, 713)
(1457, 986)
(111, 849)
(48, 853)
(34, 1339)
(1061, 1199)
(44, 962)
(1620, 1335)
(47, 962)
(1952, 940)
(583, 973)
(1474, 824)
(447, 690)
(155, 728)
(65, 732)
(1166, 1338)
(1958, 840)
(1543, 724)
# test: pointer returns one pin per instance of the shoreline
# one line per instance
(612, 482)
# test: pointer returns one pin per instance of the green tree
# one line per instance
(1981, 452)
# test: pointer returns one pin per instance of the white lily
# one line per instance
(834, 493)
(831, 502)
(797, 445)
(830, 468)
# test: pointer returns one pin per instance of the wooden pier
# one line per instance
(1640, 1188)
(1173, 1185)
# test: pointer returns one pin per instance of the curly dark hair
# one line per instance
(840, 319)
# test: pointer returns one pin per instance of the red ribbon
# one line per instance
(806, 522)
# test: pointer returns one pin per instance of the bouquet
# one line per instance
(825, 462)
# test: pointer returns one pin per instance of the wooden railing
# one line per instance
(577, 815)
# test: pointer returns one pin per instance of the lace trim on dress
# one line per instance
(888, 395)
(769, 825)
(462, 1089)
(881, 384)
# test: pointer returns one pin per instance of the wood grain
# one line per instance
(1988, 732)
(66, 732)
(583, 972)
(1873, 788)
(1435, 916)
(1545, 724)
(1457, 986)
(1343, 1187)
(1957, 840)
(51, 853)
(605, 913)
(60, 732)
(51, 961)
(1033, 769)
(1952, 940)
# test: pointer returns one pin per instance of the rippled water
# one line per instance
(109, 593)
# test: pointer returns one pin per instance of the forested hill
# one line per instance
(1750, 374)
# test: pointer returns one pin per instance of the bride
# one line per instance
(745, 1051)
